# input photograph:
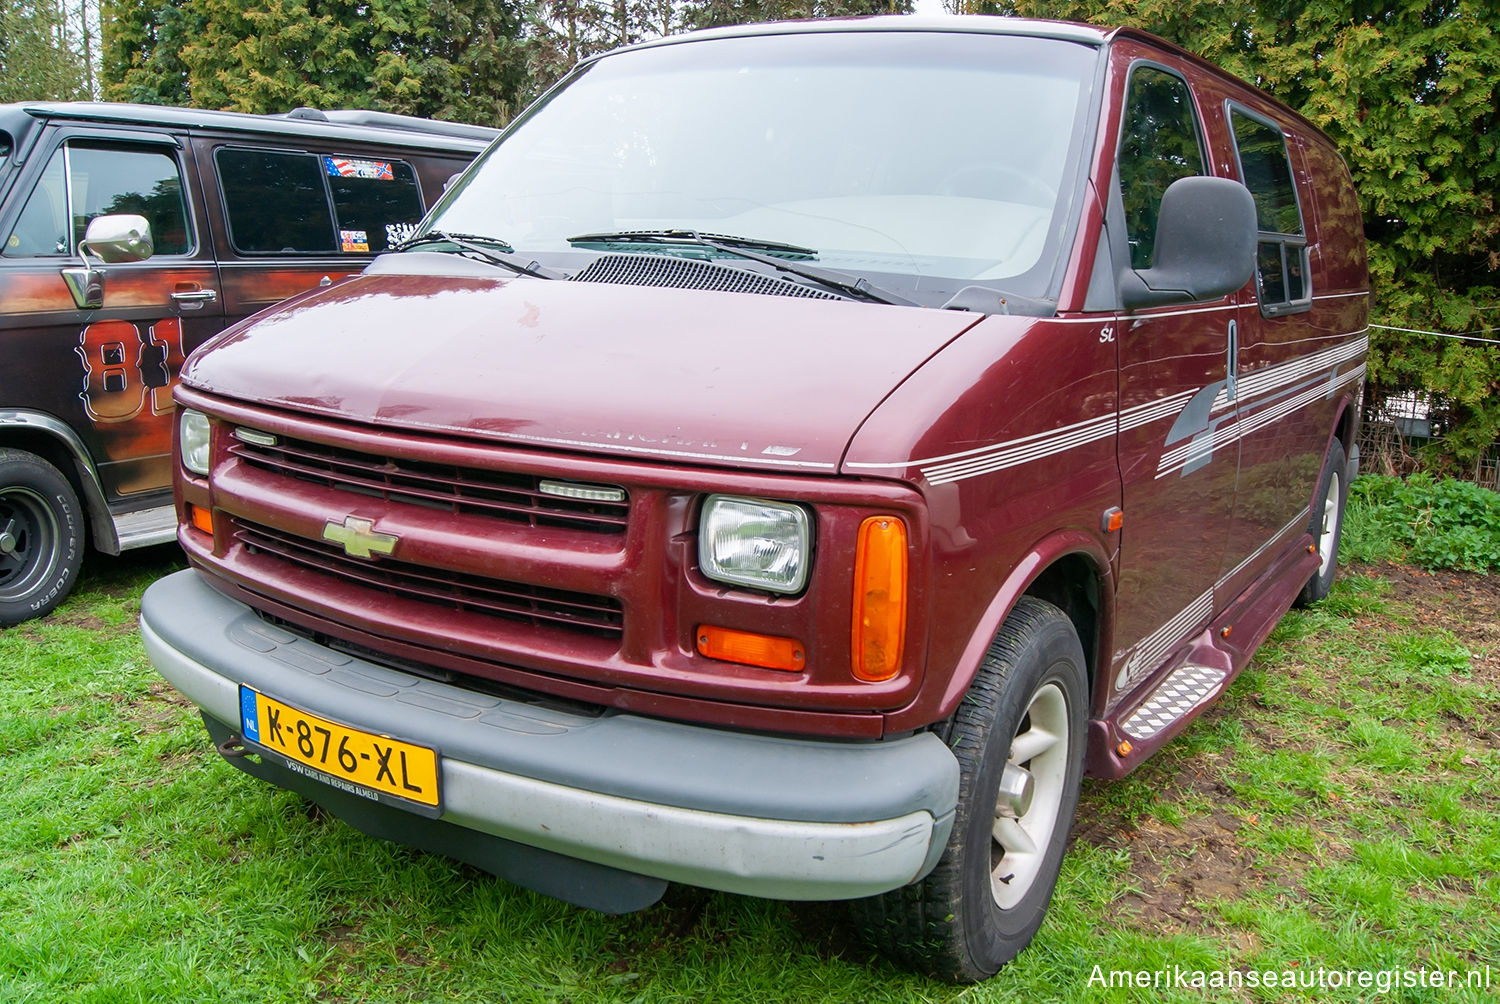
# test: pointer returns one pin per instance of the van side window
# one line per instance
(301, 202)
(1281, 256)
(275, 201)
(1158, 144)
(86, 180)
(377, 202)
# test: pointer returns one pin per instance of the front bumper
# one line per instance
(785, 818)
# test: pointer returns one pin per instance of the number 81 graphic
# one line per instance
(128, 373)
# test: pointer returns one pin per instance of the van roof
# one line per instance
(343, 125)
(975, 24)
(970, 24)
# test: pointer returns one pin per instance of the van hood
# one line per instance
(689, 376)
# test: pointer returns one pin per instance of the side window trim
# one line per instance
(223, 193)
(168, 145)
(330, 201)
(1286, 242)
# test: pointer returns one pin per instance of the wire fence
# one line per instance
(1403, 427)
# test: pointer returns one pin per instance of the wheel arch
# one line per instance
(1345, 432)
(54, 441)
(1071, 570)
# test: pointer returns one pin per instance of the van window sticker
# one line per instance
(399, 233)
(350, 167)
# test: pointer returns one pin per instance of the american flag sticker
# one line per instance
(348, 167)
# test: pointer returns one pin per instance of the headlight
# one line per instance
(751, 542)
(192, 430)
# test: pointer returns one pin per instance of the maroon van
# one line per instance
(131, 234)
(786, 463)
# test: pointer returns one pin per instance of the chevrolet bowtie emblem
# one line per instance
(359, 537)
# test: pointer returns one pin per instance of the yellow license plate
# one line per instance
(367, 761)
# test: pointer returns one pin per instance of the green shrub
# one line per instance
(1435, 524)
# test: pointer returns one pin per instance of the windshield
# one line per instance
(940, 159)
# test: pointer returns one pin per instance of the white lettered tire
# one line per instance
(41, 537)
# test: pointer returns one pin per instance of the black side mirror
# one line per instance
(1205, 245)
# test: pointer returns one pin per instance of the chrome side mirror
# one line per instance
(111, 239)
(120, 238)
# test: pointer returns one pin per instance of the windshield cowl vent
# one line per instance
(689, 273)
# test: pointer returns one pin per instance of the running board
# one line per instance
(1184, 690)
(145, 527)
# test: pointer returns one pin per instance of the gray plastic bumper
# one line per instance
(785, 818)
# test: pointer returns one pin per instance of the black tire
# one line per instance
(1327, 524)
(952, 924)
(41, 537)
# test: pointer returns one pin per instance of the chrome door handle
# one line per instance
(1232, 369)
(196, 296)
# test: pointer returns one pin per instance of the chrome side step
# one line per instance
(1184, 689)
(145, 527)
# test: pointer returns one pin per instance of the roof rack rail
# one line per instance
(390, 120)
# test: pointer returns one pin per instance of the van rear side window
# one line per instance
(1281, 266)
(376, 202)
(279, 202)
(276, 202)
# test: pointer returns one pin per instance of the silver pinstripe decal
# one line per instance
(950, 467)
(1154, 647)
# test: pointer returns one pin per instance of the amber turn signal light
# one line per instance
(879, 629)
(201, 518)
(763, 650)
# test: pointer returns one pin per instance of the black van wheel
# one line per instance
(41, 537)
(1327, 524)
(1019, 740)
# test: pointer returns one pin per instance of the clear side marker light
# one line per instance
(254, 436)
(584, 493)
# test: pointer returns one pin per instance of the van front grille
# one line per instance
(498, 494)
(539, 606)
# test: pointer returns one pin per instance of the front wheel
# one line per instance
(1019, 740)
(41, 537)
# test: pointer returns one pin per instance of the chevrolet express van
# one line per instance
(787, 462)
(241, 211)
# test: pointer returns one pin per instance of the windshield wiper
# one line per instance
(498, 252)
(741, 247)
(693, 237)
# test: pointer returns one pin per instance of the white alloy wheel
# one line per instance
(1031, 792)
(1333, 512)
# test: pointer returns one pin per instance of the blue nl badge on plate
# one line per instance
(249, 714)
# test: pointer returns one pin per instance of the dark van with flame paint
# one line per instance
(130, 235)
(787, 463)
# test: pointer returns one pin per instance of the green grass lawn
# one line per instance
(1340, 807)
